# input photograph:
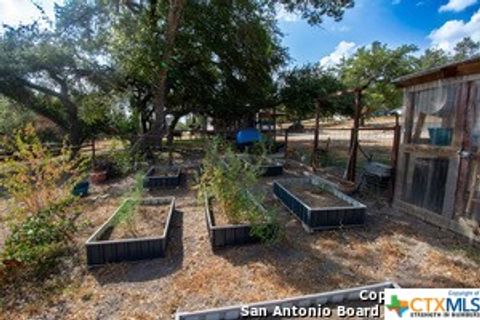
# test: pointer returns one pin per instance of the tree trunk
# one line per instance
(159, 88)
(75, 128)
(171, 130)
(74, 124)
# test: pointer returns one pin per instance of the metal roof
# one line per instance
(450, 70)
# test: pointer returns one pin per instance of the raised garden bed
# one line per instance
(227, 234)
(329, 299)
(116, 242)
(318, 205)
(162, 177)
(268, 167)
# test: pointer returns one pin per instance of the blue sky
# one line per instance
(425, 23)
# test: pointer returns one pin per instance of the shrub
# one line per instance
(35, 245)
(40, 185)
(35, 178)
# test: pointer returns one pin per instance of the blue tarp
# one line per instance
(248, 135)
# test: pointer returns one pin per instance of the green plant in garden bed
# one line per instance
(228, 178)
(127, 210)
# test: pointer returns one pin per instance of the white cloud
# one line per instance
(453, 31)
(343, 50)
(284, 15)
(14, 12)
(457, 5)
(339, 28)
(395, 2)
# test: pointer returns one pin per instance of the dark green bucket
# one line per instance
(440, 136)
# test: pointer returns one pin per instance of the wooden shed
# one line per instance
(437, 176)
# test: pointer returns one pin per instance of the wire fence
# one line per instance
(334, 146)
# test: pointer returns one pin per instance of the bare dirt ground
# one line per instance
(391, 246)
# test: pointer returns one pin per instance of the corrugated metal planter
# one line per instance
(325, 298)
(228, 235)
(273, 168)
(270, 170)
(153, 181)
(107, 251)
(324, 217)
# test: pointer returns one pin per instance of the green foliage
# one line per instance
(432, 58)
(375, 67)
(36, 178)
(301, 86)
(121, 158)
(129, 207)
(466, 48)
(313, 10)
(40, 185)
(11, 118)
(38, 243)
(228, 179)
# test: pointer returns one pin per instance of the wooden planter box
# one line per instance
(228, 235)
(320, 218)
(337, 297)
(152, 181)
(106, 251)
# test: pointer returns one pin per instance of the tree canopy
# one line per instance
(302, 86)
(121, 66)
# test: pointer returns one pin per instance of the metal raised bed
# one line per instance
(324, 298)
(106, 251)
(228, 235)
(324, 217)
(274, 168)
(153, 181)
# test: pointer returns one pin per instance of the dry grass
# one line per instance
(192, 276)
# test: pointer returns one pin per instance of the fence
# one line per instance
(333, 153)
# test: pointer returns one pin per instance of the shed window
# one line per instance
(434, 115)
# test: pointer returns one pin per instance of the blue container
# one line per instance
(81, 189)
(440, 136)
(248, 136)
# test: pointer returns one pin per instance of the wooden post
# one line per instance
(93, 151)
(397, 131)
(274, 124)
(286, 142)
(352, 161)
(396, 142)
(315, 138)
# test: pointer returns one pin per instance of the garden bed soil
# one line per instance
(220, 218)
(147, 220)
(316, 197)
(111, 244)
(327, 210)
